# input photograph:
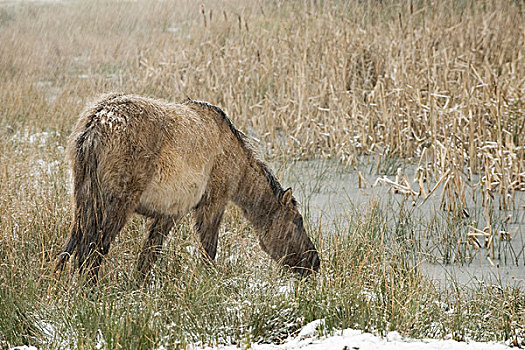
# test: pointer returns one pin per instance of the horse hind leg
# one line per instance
(110, 172)
(67, 250)
(158, 230)
(94, 246)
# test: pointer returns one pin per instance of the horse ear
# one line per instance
(287, 197)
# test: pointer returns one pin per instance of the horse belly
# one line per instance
(176, 195)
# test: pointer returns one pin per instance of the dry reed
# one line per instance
(441, 82)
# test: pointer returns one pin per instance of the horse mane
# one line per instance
(247, 147)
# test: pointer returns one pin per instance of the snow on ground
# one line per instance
(348, 339)
(351, 339)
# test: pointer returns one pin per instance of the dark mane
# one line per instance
(246, 145)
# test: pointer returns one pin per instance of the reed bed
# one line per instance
(441, 84)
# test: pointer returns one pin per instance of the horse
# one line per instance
(133, 154)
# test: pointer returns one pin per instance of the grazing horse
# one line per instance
(162, 160)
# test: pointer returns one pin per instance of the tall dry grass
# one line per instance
(439, 82)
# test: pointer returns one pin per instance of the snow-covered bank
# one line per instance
(349, 339)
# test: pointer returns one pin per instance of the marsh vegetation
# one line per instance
(435, 87)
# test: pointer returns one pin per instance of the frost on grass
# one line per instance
(39, 139)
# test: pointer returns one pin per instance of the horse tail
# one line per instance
(86, 234)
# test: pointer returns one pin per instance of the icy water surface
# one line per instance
(330, 195)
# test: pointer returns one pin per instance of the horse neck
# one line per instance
(255, 196)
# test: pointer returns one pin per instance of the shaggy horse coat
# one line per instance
(162, 160)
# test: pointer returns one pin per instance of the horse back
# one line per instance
(166, 152)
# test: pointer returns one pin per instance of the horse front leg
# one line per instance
(208, 216)
(158, 230)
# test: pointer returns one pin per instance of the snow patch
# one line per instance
(47, 168)
(39, 139)
(309, 339)
(310, 330)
